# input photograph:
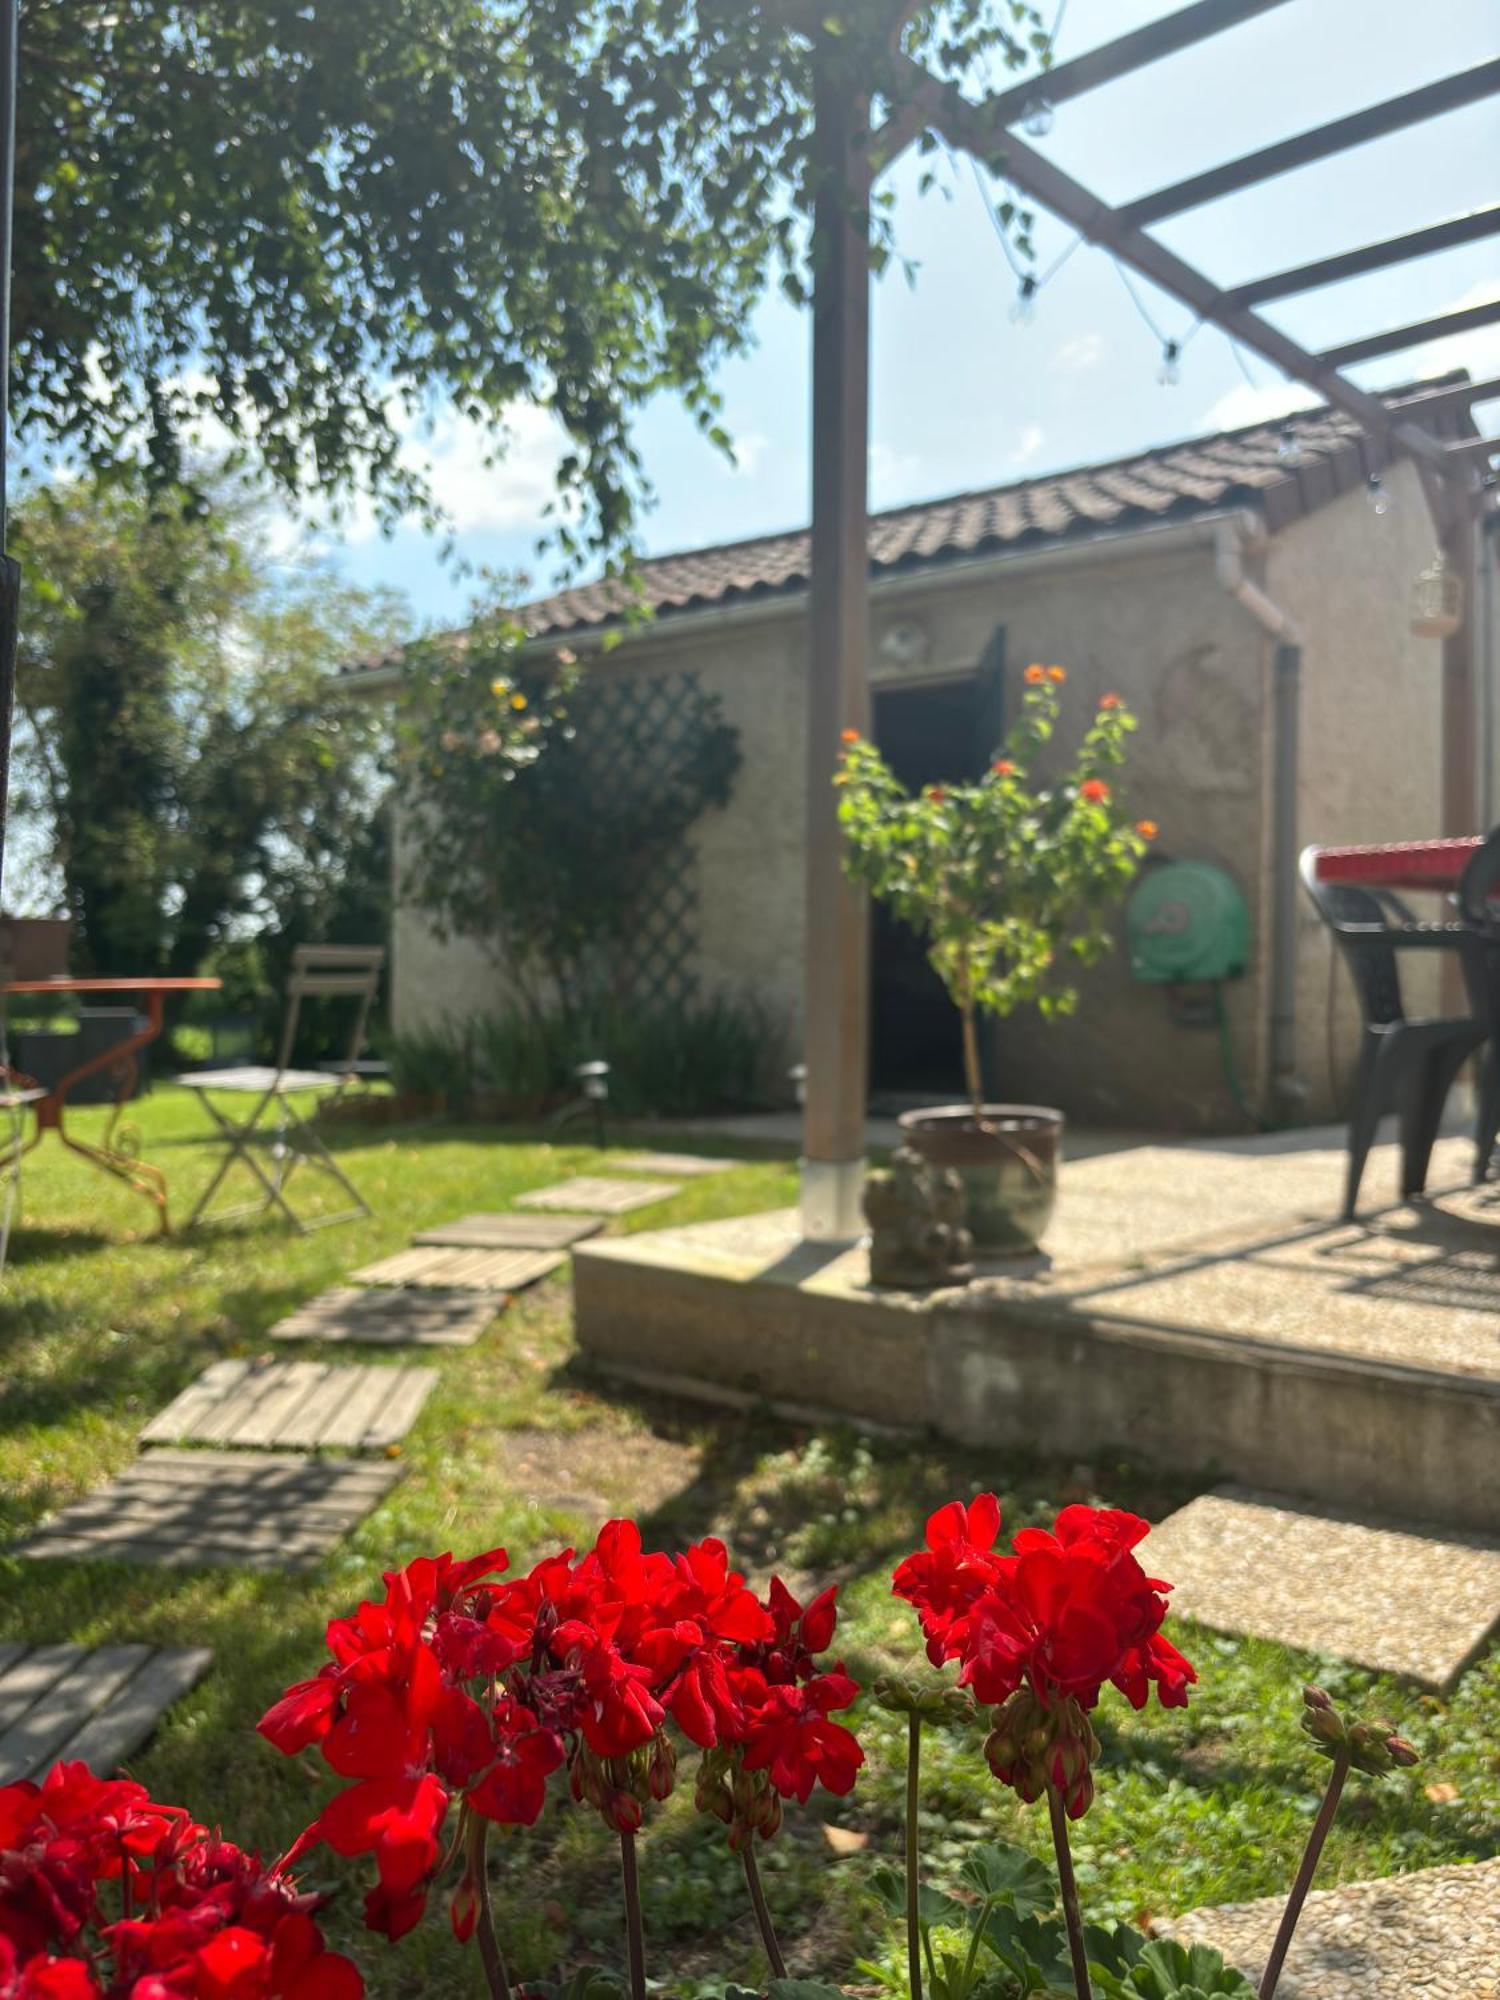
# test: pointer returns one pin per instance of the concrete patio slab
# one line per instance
(294, 1405)
(447, 1268)
(596, 1194)
(1272, 1568)
(1430, 1935)
(502, 1231)
(91, 1704)
(216, 1510)
(355, 1316)
(1198, 1305)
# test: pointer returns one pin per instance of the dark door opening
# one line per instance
(928, 736)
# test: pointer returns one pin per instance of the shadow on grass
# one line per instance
(32, 1245)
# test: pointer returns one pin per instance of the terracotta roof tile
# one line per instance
(1287, 466)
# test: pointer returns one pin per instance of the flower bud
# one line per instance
(1314, 1697)
(923, 1695)
(1403, 1754)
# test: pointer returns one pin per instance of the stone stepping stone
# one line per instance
(294, 1405)
(391, 1318)
(1433, 1934)
(93, 1704)
(597, 1195)
(512, 1232)
(462, 1270)
(1268, 1567)
(686, 1164)
(217, 1510)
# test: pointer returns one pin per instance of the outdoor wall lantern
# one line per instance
(797, 1078)
(1437, 601)
(904, 643)
(594, 1076)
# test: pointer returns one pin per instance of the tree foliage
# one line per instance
(308, 220)
(529, 828)
(189, 776)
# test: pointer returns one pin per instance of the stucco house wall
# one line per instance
(1142, 612)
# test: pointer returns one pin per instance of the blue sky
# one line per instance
(963, 396)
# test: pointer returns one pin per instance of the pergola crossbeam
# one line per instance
(1459, 229)
(1480, 448)
(1461, 396)
(974, 128)
(1128, 53)
(1377, 121)
(1415, 335)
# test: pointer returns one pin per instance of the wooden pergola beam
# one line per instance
(1397, 338)
(1472, 228)
(1480, 448)
(1462, 396)
(1128, 53)
(975, 128)
(1377, 121)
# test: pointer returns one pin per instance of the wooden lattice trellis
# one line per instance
(633, 731)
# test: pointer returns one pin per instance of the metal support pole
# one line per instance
(1288, 1091)
(836, 940)
(1460, 803)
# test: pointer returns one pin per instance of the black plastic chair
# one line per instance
(1479, 906)
(1405, 1065)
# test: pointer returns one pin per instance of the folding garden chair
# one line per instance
(1404, 1065)
(275, 1125)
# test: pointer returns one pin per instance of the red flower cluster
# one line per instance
(459, 1683)
(1045, 1628)
(1094, 790)
(198, 1919)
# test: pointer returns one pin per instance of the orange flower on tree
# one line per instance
(1035, 676)
(1095, 791)
(849, 736)
(1109, 701)
(1003, 768)
(1147, 829)
(937, 793)
(1057, 674)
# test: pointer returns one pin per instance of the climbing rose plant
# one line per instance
(1006, 878)
(457, 1700)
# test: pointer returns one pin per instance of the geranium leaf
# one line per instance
(1010, 1875)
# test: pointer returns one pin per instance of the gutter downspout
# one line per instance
(1232, 537)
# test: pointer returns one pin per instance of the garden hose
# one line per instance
(1231, 1072)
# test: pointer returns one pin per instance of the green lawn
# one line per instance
(101, 1323)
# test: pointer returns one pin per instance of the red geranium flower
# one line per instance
(789, 1736)
(947, 1578)
(1094, 790)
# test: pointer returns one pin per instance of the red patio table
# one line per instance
(112, 1157)
(1404, 864)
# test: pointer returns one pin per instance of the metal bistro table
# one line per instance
(116, 1155)
(1412, 865)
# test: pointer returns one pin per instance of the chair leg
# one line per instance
(1487, 1121)
(1364, 1120)
(1422, 1113)
(307, 1145)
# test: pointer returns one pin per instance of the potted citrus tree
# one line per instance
(1010, 882)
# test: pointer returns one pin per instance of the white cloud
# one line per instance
(1031, 442)
(1078, 355)
(750, 448)
(481, 485)
(1258, 403)
(892, 474)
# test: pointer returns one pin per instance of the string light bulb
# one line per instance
(1376, 495)
(1170, 372)
(1023, 312)
(1037, 115)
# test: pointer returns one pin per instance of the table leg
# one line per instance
(145, 1179)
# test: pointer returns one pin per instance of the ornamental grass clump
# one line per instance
(1006, 879)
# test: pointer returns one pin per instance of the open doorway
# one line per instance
(938, 734)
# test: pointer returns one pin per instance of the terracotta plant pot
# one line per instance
(1007, 1160)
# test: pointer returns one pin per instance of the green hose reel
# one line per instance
(1186, 924)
